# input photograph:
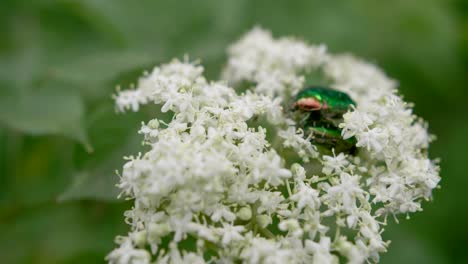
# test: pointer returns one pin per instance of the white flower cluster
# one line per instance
(217, 187)
(272, 64)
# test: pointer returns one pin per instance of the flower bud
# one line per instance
(244, 214)
(263, 220)
(139, 238)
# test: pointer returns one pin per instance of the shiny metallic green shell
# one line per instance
(318, 111)
(332, 100)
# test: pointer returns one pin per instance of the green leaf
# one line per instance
(99, 183)
(93, 74)
(113, 136)
(60, 233)
(47, 111)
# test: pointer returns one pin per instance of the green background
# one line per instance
(61, 141)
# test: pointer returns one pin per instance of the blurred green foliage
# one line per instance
(61, 140)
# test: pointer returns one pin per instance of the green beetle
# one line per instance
(318, 111)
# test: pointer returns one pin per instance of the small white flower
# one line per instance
(306, 196)
(321, 251)
(130, 99)
(222, 212)
(334, 164)
(180, 226)
(150, 131)
(355, 122)
(231, 233)
(374, 140)
(292, 226)
(127, 254)
(295, 139)
(343, 195)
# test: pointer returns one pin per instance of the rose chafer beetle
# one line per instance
(319, 111)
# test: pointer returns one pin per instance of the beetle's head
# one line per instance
(308, 104)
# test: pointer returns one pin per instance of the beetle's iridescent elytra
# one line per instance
(318, 111)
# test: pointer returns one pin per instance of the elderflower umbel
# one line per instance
(232, 179)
